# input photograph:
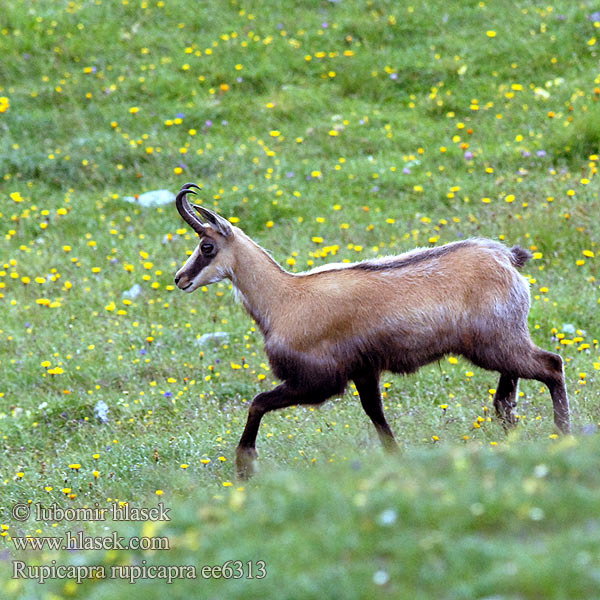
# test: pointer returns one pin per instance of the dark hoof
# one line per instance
(390, 446)
(245, 463)
(507, 418)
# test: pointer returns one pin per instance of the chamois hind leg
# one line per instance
(530, 362)
(279, 397)
(367, 384)
(505, 399)
(548, 368)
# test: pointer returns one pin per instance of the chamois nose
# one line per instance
(182, 282)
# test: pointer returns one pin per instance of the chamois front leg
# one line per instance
(367, 385)
(505, 400)
(280, 397)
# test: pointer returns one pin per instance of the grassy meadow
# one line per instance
(329, 131)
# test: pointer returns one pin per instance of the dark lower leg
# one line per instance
(367, 385)
(552, 374)
(505, 399)
(547, 367)
(280, 397)
(560, 402)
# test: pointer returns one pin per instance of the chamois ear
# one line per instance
(219, 223)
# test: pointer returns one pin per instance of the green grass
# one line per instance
(372, 126)
(449, 522)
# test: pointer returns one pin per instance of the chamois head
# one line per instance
(212, 260)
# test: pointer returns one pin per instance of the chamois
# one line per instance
(351, 321)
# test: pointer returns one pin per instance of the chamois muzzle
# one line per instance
(183, 282)
(185, 210)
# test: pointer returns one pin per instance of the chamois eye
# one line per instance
(207, 248)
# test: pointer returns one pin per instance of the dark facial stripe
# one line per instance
(409, 261)
(200, 263)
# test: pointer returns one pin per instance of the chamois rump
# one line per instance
(343, 322)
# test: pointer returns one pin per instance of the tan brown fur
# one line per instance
(347, 322)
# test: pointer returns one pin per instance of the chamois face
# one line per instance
(212, 260)
(209, 263)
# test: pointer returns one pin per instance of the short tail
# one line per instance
(519, 256)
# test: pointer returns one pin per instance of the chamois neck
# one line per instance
(259, 279)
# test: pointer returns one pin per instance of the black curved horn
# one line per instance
(185, 210)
